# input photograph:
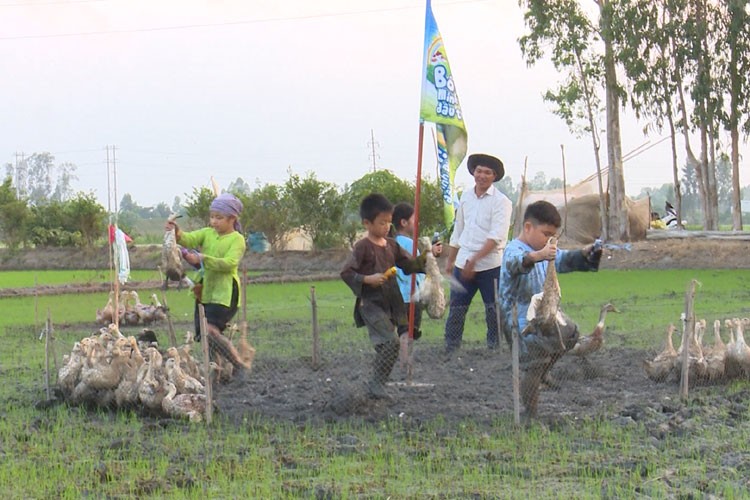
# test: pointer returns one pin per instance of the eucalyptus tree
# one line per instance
(707, 101)
(581, 48)
(643, 31)
(734, 25)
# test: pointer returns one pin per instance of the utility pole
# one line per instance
(373, 155)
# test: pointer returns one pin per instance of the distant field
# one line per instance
(25, 279)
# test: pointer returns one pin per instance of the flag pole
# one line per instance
(415, 237)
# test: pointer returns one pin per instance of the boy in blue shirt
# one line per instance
(522, 276)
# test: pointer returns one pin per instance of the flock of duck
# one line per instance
(110, 370)
(130, 310)
(706, 363)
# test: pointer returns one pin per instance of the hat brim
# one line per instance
(488, 161)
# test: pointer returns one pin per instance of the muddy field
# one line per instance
(474, 385)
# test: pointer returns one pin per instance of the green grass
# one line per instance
(67, 452)
(28, 279)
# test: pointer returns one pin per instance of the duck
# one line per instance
(107, 314)
(67, 375)
(697, 368)
(190, 406)
(126, 393)
(128, 314)
(716, 355)
(592, 343)
(148, 313)
(659, 368)
(151, 390)
(737, 359)
(187, 362)
(104, 368)
(185, 383)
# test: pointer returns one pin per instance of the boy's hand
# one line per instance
(549, 252)
(593, 252)
(376, 279)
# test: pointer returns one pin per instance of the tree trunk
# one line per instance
(735, 87)
(706, 173)
(673, 144)
(618, 226)
(595, 140)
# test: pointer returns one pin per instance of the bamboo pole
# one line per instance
(206, 363)
(405, 353)
(315, 331)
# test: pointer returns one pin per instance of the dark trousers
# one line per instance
(485, 283)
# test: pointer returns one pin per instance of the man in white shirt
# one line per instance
(475, 251)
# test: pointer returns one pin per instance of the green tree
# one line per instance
(14, 216)
(197, 205)
(384, 182)
(267, 209)
(49, 227)
(85, 215)
(318, 208)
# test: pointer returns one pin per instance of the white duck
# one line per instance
(737, 360)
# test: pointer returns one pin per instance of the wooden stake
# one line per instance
(515, 367)
(46, 355)
(243, 324)
(206, 363)
(315, 332)
(565, 189)
(170, 325)
(687, 335)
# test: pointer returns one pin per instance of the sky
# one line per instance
(190, 89)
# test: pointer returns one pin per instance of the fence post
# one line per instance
(206, 363)
(315, 333)
(46, 354)
(170, 325)
(687, 337)
(516, 376)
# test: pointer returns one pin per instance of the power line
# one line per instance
(225, 23)
(34, 4)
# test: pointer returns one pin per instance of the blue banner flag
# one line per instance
(440, 106)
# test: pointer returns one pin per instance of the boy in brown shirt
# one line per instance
(379, 304)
